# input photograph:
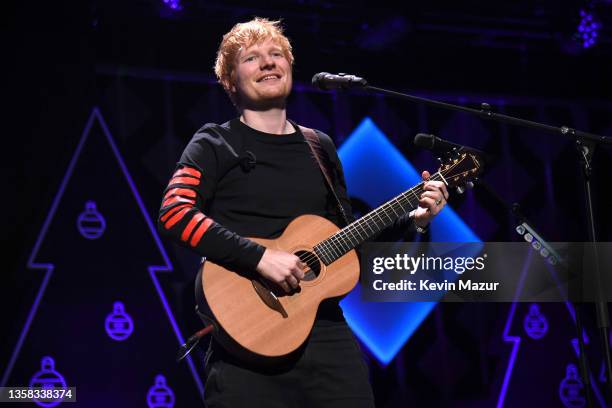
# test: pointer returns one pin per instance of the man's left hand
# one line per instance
(431, 202)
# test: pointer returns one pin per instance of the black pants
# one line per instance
(328, 372)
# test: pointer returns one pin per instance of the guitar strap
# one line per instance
(320, 155)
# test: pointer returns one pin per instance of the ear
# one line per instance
(231, 81)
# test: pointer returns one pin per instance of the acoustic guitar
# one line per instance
(252, 314)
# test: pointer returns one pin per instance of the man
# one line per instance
(252, 176)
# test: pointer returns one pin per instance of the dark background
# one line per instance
(149, 68)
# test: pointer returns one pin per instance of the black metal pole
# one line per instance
(585, 152)
(582, 356)
(486, 113)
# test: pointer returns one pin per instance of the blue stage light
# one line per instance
(376, 171)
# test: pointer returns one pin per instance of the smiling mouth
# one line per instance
(269, 78)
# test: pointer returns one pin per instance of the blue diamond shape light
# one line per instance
(376, 171)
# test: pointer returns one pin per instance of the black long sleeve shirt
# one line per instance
(212, 202)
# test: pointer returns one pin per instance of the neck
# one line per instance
(370, 224)
(272, 121)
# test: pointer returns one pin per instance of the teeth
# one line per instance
(269, 77)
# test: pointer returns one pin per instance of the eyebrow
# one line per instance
(272, 48)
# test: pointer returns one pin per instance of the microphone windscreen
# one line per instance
(424, 141)
(317, 80)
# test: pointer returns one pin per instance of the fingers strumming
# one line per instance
(285, 286)
(293, 282)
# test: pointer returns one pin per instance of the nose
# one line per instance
(266, 61)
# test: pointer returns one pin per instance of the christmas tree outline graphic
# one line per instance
(515, 340)
(35, 264)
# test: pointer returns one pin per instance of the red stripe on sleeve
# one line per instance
(173, 211)
(176, 218)
(197, 236)
(180, 191)
(188, 170)
(194, 221)
(184, 180)
(177, 199)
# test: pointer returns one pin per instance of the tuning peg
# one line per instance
(469, 185)
(460, 190)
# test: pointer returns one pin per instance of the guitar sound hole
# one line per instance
(314, 266)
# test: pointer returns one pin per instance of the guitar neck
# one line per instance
(370, 224)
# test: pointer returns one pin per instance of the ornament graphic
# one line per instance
(47, 378)
(570, 389)
(535, 323)
(119, 325)
(160, 395)
(91, 223)
(516, 341)
(97, 167)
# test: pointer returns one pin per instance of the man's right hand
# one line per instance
(282, 268)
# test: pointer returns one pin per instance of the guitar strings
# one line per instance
(325, 247)
(384, 209)
(328, 250)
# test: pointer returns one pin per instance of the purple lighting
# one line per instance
(173, 4)
(160, 395)
(119, 325)
(49, 268)
(535, 323)
(91, 223)
(588, 29)
(47, 378)
(571, 389)
(515, 340)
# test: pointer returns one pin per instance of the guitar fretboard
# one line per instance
(370, 224)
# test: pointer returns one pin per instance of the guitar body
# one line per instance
(243, 318)
(257, 320)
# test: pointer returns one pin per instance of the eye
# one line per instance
(249, 58)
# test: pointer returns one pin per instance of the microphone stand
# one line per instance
(585, 144)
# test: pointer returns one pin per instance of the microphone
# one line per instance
(247, 161)
(443, 147)
(326, 81)
(436, 144)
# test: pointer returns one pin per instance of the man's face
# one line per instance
(262, 78)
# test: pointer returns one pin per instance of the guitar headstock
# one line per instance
(461, 168)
